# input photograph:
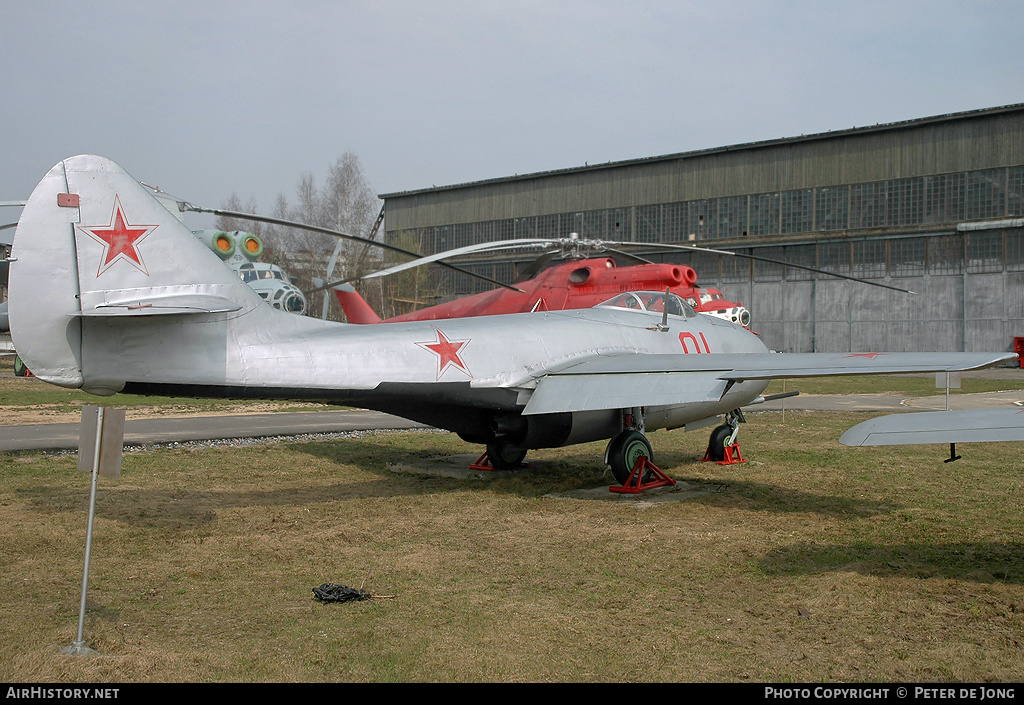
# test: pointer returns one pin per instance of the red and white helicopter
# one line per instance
(581, 281)
(578, 282)
(110, 293)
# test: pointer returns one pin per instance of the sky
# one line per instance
(210, 99)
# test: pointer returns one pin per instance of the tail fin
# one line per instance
(92, 242)
(355, 307)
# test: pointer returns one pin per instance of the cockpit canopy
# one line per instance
(651, 301)
(250, 272)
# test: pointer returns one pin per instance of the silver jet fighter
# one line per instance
(111, 293)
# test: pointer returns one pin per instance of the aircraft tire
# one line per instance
(504, 456)
(625, 450)
(19, 367)
(716, 446)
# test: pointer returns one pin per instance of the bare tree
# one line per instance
(228, 224)
(345, 203)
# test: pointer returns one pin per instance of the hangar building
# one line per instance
(934, 205)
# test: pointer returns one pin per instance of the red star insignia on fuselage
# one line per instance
(447, 352)
(119, 240)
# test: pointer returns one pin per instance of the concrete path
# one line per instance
(64, 436)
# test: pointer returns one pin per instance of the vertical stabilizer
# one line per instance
(43, 286)
(93, 244)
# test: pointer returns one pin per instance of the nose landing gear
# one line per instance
(722, 446)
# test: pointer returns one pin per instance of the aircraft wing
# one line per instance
(968, 426)
(624, 381)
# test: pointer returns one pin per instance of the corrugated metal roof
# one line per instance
(764, 144)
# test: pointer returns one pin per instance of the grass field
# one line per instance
(811, 562)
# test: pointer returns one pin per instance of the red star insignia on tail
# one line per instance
(447, 352)
(119, 240)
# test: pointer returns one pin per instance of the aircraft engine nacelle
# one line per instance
(249, 245)
(228, 244)
(555, 430)
(676, 275)
(648, 276)
(687, 275)
(223, 244)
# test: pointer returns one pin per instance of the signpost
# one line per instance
(99, 453)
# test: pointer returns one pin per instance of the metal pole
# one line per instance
(79, 647)
(947, 390)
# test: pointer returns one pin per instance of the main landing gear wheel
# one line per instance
(504, 456)
(19, 367)
(625, 450)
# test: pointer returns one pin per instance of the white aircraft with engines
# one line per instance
(239, 251)
(111, 293)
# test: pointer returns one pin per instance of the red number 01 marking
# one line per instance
(684, 336)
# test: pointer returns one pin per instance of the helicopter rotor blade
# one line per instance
(786, 264)
(439, 257)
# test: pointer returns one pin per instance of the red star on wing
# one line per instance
(119, 240)
(447, 352)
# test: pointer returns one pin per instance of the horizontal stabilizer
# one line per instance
(164, 306)
(967, 426)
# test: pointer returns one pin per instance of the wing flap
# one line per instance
(576, 392)
(966, 426)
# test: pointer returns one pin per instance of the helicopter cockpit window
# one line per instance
(247, 272)
(653, 301)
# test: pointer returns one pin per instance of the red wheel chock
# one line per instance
(484, 463)
(732, 456)
(634, 485)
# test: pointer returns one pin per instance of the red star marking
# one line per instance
(870, 356)
(447, 352)
(119, 240)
